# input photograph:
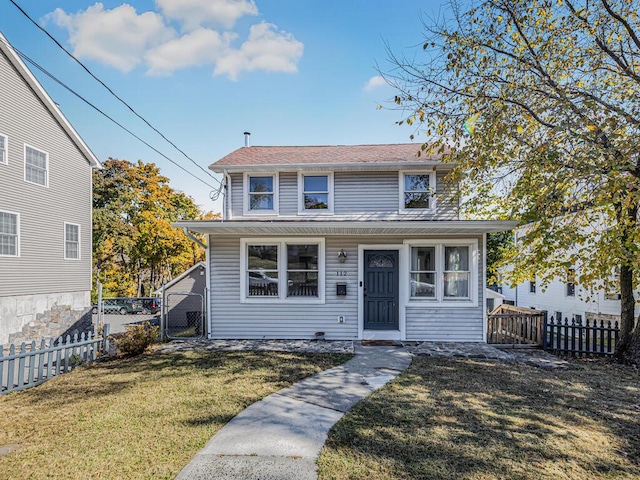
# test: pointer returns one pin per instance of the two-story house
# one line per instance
(358, 242)
(45, 208)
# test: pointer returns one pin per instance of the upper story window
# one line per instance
(417, 191)
(443, 271)
(71, 241)
(261, 193)
(4, 149)
(36, 166)
(282, 270)
(315, 193)
(9, 234)
(532, 286)
(571, 283)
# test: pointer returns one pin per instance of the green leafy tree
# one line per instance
(135, 248)
(540, 101)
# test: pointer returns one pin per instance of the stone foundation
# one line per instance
(34, 317)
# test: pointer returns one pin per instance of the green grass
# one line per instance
(137, 418)
(447, 419)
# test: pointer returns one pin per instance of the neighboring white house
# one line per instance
(358, 242)
(45, 209)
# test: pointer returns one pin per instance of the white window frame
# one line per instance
(4, 152)
(276, 197)
(571, 272)
(46, 177)
(17, 236)
(282, 243)
(439, 298)
(432, 186)
(65, 242)
(533, 286)
(301, 192)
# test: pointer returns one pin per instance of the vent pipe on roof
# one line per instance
(247, 138)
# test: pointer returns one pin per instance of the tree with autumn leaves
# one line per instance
(135, 248)
(540, 100)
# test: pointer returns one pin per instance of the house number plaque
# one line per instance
(341, 273)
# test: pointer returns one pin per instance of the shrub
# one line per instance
(136, 339)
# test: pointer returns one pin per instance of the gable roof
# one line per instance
(46, 100)
(180, 277)
(326, 155)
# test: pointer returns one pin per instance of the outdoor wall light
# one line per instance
(342, 256)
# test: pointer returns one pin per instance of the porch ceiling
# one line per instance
(324, 228)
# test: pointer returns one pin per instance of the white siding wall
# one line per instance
(229, 318)
(356, 195)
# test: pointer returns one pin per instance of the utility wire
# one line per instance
(111, 91)
(65, 86)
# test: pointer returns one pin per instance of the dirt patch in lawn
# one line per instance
(447, 419)
(139, 418)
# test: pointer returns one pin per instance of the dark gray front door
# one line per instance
(381, 290)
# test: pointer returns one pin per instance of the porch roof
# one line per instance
(346, 227)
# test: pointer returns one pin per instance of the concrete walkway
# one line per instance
(280, 437)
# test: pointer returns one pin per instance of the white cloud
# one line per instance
(118, 37)
(266, 49)
(124, 39)
(200, 47)
(373, 83)
(196, 13)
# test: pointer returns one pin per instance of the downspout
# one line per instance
(227, 212)
(194, 239)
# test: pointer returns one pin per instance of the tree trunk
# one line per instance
(628, 346)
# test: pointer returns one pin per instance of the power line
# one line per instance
(61, 83)
(111, 91)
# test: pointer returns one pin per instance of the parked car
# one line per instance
(122, 306)
(150, 305)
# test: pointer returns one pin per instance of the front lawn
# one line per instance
(447, 419)
(138, 418)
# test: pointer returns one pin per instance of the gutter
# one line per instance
(192, 238)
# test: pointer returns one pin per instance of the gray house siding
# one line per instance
(41, 267)
(354, 196)
(40, 277)
(230, 318)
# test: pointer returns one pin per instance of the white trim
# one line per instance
(281, 243)
(432, 187)
(245, 194)
(330, 190)
(64, 251)
(337, 166)
(484, 286)
(4, 153)
(440, 301)
(46, 178)
(402, 293)
(18, 235)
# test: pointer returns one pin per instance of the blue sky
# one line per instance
(291, 72)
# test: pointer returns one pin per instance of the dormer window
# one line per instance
(261, 193)
(315, 192)
(417, 191)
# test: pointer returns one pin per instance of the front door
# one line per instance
(381, 290)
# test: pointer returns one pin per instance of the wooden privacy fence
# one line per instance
(31, 365)
(515, 328)
(577, 339)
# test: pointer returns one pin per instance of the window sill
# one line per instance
(423, 302)
(281, 301)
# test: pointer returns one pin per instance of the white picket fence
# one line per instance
(32, 365)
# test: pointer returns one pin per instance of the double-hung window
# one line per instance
(315, 193)
(261, 193)
(443, 271)
(282, 269)
(36, 166)
(4, 147)
(532, 286)
(9, 234)
(71, 241)
(571, 283)
(417, 191)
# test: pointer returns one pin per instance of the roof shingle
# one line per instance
(325, 154)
